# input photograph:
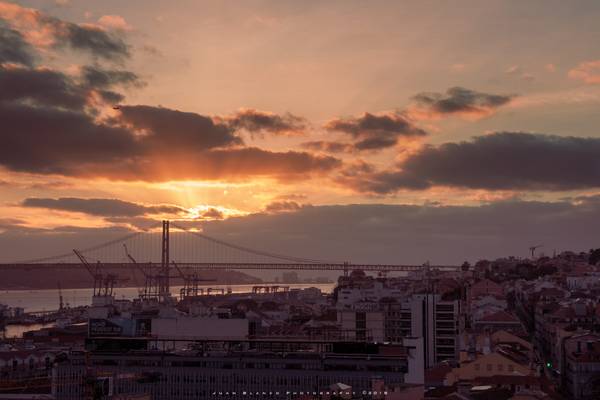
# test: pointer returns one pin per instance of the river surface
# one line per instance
(47, 299)
(17, 331)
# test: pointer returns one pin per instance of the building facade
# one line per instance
(277, 371)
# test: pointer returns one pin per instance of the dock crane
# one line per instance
(190, 283)
(104, 284)
(150, 290)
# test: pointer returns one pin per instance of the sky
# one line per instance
(361, 131)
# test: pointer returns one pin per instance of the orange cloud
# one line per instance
(114, 22)
(588, 72)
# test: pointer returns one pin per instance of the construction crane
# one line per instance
(533, 248)
(190, 282)
(104, 284)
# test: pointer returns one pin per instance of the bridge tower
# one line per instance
(164, 289)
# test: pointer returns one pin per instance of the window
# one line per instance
(477, 367)
(500, 367)
(488, 367)
(511, 368)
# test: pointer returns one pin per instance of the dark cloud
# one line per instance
(51, 31)
(95, 40)
(368, 124)
(98, 77)
(45, 128)
(212, 213)
(282, 206)
(13, 48)
(175, 146)
(50, 88)
(459, 100)
(110, 97)
(499, 161)
(365, 178)
(376, 142)
(255, 121)
(45, 140)
(102, 207)
(41, 87)
(169, 130)
(376, 131)
(328, 146)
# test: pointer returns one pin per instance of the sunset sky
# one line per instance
(376, 131)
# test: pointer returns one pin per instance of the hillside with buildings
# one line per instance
(503, 329)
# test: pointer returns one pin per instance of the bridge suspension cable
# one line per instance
(252, 251)
(97, 247)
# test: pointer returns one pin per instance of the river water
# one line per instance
(17, 331)
(47, 300)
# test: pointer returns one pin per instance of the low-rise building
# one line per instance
(581, 369)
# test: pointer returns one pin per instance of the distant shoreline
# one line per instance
(80, 279)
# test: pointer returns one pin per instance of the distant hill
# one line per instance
(73, 278)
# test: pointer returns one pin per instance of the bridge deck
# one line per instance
(249, 266)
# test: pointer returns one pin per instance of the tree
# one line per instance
(594, 257)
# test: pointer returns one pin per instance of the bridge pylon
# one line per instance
(164, 287)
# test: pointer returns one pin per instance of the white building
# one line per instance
(424, 316)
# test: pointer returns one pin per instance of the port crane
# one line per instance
(151, 289)
(104, 283)
(190, 282)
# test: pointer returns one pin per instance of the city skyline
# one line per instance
(414, 132)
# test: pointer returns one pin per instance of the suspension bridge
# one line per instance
(190, 249)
